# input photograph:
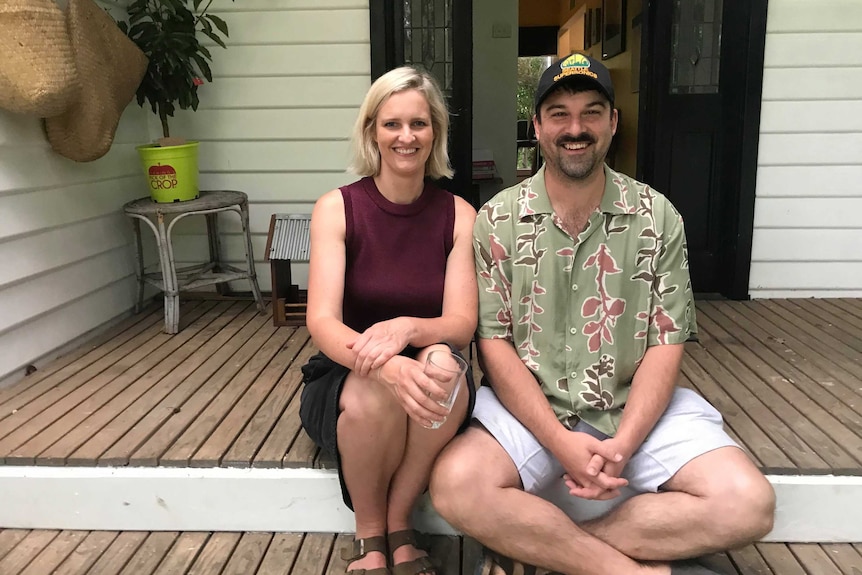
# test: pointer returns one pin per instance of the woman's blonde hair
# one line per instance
(366, 154)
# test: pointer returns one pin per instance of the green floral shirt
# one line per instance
(582, 311)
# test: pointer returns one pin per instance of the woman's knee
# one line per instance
(366, 400)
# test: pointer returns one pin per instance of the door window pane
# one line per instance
(428, 39)
(695, 46)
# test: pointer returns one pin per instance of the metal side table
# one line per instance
(161, 218)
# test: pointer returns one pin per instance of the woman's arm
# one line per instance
(327, 267)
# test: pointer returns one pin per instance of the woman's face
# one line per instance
(403, 133)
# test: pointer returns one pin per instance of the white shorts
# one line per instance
(689, 427)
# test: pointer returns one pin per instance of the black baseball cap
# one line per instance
(575, 68)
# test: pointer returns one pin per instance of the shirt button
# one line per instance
(573, 331)
(574, 287)
(574, 374)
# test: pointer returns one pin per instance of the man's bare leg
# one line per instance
(717, 501)
(476, 487)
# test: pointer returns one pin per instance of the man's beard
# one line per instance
(574, 168)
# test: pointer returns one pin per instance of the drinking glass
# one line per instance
(446, 369)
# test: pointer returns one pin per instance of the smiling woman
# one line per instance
(390, 280)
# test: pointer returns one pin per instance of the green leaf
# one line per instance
(203, 67)
(220, 24)
(215, 38)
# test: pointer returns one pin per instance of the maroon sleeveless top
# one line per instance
(396, 254)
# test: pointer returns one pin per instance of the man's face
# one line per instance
(575, 132)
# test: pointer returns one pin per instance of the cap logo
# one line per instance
(575, 64)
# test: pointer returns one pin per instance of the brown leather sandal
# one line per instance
(415, 566)
(361, 548)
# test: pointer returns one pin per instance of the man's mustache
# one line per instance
(580, 138)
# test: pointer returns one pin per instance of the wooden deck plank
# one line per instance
(832, 343)
(814, 559)
(748, 561)
(150, 553)
(281, 438)
(848, 309)
(55, 553)
(215, 554)
(77, 359)
(181, 452)
(78, 433)
(822, 315)
(337, 565)
(22, 409)
(118, 553)
(61, 421)
(148, 454)
(302, 452)
(222, 437)
(224, 361)
(281, 554)
(809, 350)
(9, 538)
(824, 409)
(780, 559)
(86, 554)
(313, 555)
(770, 454)
(854, 304)
(194, 553)
(182, 554)
(774, 352)
(848, 559)
(129, 417)
(262, 422)
(793, 422)
(248, 554)
(755, 405)
(25, 551)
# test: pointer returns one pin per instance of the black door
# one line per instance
(436, 35)
(699, 127)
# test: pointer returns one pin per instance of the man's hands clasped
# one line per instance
(593, 467)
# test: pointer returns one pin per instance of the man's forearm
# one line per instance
(651, 390)
(519, 391)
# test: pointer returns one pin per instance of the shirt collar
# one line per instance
(619, 196)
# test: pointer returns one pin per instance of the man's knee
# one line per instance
(467, 473)
(744, 505)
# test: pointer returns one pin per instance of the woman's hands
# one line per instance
(379, 343)
(416, 392)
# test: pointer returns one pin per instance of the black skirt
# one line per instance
(323, 380)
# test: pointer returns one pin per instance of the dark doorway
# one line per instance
(436, 35)
(701, 78)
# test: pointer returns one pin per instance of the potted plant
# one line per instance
(168, 32)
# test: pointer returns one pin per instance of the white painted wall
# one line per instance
(808, 212)
(276, 120)
(274, 124)
(495, 82)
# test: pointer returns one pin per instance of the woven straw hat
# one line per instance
(37, 73)
(110, 68)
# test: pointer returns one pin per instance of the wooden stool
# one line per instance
(161, 218)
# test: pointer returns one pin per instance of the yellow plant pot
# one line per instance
(171, 171)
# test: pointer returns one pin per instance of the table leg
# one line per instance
(169, 279)
(139, 265)
(215, 250)
(249, 256)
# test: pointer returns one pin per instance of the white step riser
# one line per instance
(810, 508)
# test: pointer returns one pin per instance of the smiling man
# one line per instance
(585, 302)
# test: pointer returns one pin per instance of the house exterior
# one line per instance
(275, 124)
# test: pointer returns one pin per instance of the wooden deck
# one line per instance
(786, 374)
(24, 552)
